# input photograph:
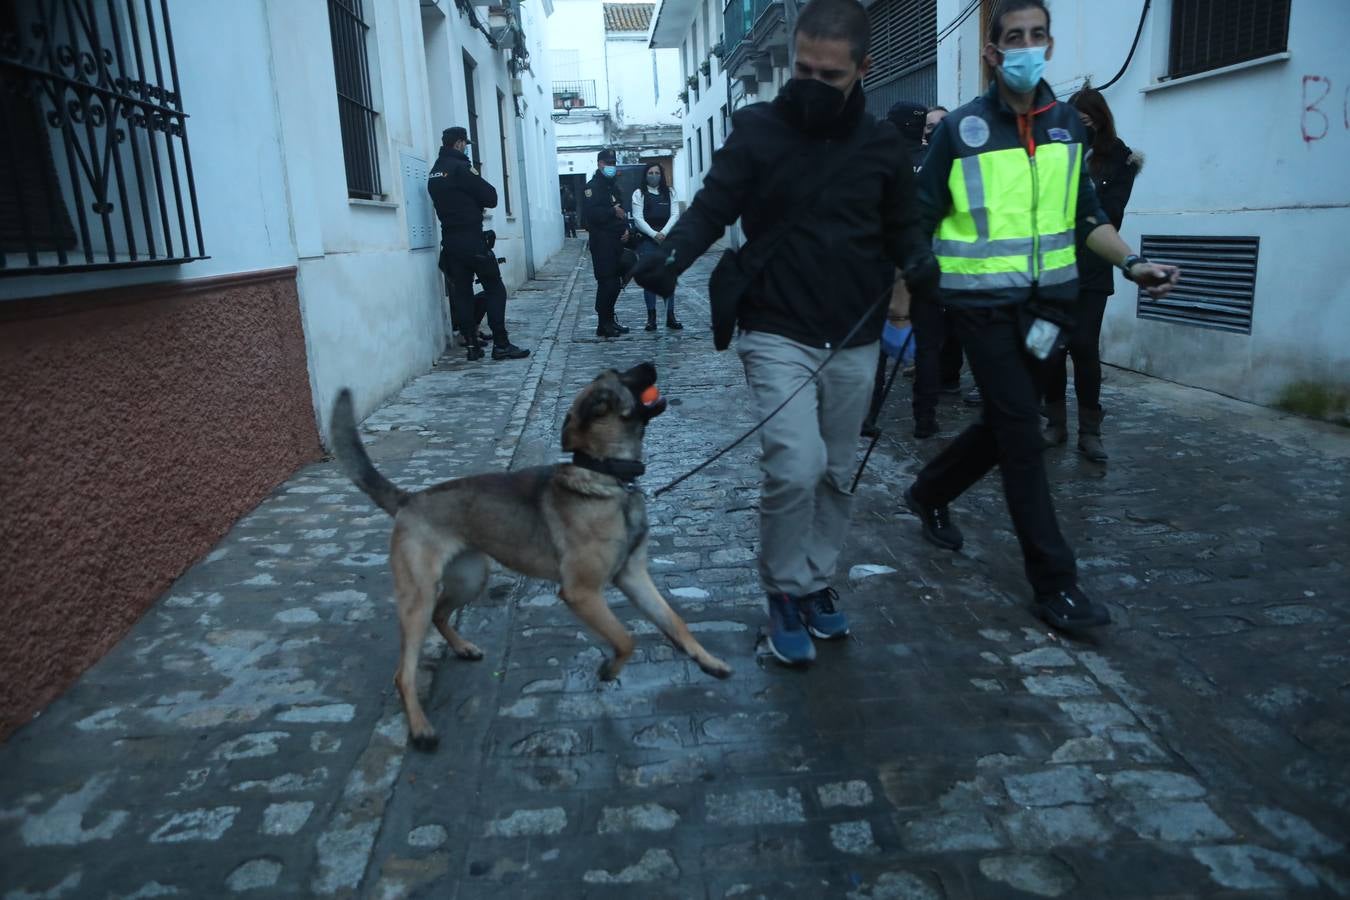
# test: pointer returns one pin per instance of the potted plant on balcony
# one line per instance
(706, 66)
(692, 81)
(718, 50)
(684, 97)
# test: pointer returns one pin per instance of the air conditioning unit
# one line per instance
(517, 87)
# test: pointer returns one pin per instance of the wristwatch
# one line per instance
(1130, 262)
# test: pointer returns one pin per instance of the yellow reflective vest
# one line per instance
(1005, 196)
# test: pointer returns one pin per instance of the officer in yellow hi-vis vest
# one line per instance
(1006, 196)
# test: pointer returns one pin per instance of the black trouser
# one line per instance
(1084, 342)
(937, 354)
(465, 254)
(1008, 435)
(605, 252)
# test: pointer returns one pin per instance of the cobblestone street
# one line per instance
(246, 736)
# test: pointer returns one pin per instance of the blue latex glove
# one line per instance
(893, 341)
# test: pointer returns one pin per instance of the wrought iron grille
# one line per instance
(356, 111)
(1218, 281)
(1211, 34)
(95, 171)
(573, 94)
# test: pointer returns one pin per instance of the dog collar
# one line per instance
(626, 470)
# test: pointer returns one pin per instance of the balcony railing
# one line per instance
(739, 18)
(573, 94)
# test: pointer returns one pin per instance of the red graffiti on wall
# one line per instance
(1318, 115)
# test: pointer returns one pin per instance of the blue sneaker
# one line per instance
(822, 619)
(788, 640)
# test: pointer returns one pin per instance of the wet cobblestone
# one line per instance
(245, 737)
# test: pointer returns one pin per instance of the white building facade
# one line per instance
(697, 30)
(311, 127)
(1245, 184)
(610, 90)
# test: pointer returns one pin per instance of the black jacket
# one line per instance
(1114, 182)
(946, 146)
(597, 207)
(459, 192)
(826, 273)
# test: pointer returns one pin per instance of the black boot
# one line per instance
(925, 426)
(1057, 428)
(1090, 435)
(651, 320)
(617, 326)
(671, 322)
(509, 351)
(606, 329)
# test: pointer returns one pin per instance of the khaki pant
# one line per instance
(809, 453)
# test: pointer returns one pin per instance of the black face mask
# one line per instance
(817, 103)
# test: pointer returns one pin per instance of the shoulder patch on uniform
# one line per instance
(1060, 134)
(974, 132)
(588, 192)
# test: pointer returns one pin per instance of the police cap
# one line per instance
(909, 117)
(453, 135)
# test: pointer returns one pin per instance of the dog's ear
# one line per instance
(596, 402)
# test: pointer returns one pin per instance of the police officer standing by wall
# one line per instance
(607, 221)
(1005, 193)
(460, 195)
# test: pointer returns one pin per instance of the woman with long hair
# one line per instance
(1112, 166)
(654, 213)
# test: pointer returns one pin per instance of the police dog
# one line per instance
(580, 524)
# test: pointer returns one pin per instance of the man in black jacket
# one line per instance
(460, 195)
(607, 223)
(1006, 197)
(814, 151)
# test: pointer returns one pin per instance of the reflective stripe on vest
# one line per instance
(1011, 221)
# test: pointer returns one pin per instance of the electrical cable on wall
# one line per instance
(1133, 47)
(950, 28)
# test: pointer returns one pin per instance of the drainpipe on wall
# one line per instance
(521, 165)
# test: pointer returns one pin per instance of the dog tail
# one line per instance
(351, 453)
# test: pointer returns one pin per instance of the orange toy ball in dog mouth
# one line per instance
(649, 396)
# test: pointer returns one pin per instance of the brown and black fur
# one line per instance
(561, 523)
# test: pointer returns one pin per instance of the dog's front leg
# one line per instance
(642, 592)
(584, 594)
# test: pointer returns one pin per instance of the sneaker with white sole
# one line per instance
(822, 619)
(788, 639)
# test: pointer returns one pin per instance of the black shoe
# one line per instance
(1071, 610)
(937, 523)
(673, 324)
(871, 429)
(622, 329)
(607, 330)
(509, 351)
(925, 427)
(951, 389)
(474, 353)
(651, 321)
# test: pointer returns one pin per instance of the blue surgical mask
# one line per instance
(1023, 68)
(610, 171)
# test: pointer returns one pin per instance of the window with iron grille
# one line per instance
(689, 157)
(95, 171)
(356, 105)
(1211, 34)
(1218, 281)
(698, 132)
